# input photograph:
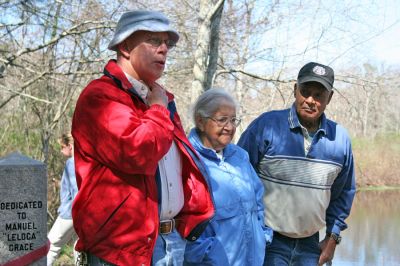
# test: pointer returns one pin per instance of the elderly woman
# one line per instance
(237, 234)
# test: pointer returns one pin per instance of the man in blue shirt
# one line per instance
(306, 164)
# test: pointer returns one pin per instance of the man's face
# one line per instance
(311, 101)
(146, 58)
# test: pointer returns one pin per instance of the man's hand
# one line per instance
(327, 247)
(157, 95)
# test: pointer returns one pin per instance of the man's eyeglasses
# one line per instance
(222, 121)
(157, 42)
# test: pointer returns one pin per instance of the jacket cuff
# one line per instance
(197, 231)
(335, 230)
(160, 108)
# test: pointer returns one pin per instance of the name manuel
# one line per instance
(20, 226)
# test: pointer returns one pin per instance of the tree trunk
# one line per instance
(206, 54)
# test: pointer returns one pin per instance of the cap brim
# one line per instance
(316, 79)
(154, 27)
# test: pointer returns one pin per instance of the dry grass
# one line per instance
(377, 161)
(66, 257)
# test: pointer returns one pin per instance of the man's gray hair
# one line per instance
(210, 101)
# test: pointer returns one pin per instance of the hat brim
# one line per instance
(316, 79)
(153, 27)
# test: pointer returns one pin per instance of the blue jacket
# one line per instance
(304, 192)
(68, 189)
(236, 235)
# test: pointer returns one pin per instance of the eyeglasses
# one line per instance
(157, 42)
(224, 120)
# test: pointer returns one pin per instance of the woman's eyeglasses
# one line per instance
(222, 121)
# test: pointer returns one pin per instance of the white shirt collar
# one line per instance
(141, 88)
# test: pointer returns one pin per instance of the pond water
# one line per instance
(373, 235)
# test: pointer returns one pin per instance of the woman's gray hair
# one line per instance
(210, 101)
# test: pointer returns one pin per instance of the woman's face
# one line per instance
(218, 130)
(67, 150)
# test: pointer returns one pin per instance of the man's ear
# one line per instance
(330, 97)
(124, 49)
(294, 89)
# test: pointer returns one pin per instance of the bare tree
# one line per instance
(206, 53)
(48, 51)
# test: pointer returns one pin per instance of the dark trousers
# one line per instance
(287, 251)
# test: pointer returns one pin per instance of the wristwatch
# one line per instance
(336, 237)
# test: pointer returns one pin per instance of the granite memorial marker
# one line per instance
(23, 211)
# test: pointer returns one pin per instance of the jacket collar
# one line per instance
(115, 70)
(294, 121)
(122, 81)
(208, 153)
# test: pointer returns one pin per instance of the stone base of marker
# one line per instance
(23, 211)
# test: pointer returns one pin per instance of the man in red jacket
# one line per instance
(141, 194)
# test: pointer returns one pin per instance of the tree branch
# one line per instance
(252, 75)
(72, 31)
(25, 95)
(23, 87)
(214, 10)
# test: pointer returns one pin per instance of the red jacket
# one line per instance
(118, 143)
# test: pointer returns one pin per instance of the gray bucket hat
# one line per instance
(146, 20)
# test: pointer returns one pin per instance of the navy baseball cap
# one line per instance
(317, 72)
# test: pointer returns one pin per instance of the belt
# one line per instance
(166, 226)
(278, 235)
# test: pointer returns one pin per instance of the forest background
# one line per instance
(50, 50)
